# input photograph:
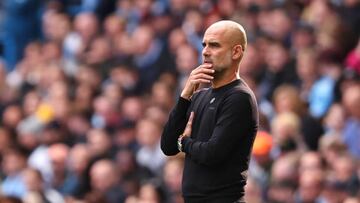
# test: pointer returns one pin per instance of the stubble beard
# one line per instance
(219, 73)
(220, 70)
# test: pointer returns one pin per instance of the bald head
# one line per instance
(232, 31)
(224, 44)
(103, 175)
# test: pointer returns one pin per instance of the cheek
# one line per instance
(223, 57)
(227, 58)
(229, 55)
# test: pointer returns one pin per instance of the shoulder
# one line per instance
(241, 97)
(241, 92)
(237, 98)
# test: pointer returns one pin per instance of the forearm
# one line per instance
(234, 128)
(174, 127)
(218, 148)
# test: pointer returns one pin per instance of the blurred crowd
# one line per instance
(87, 85)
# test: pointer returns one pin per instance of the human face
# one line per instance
(217, 50)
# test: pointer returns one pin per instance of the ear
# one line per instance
(237, 52)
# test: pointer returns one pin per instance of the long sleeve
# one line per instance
(232, 130)
(174, 127)
(219, 147)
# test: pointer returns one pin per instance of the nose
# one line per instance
(205, 51)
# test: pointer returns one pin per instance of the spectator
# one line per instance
(321, 94)
(37, 191)
(124, 136)
(78, 125)
(350, 16)
(86, 27)
(253, 192)
(334, 121)
(14, 163)
(56, 26)
(78, 162)
(311, 161)
(105, 180)
(279, 69)
(157, 114)
(132, 173)
(307, 66)
(331, 147)
(21, 26)
(286, 131)
(12, 116)
(149, 55)
(172, 177)
(287, 99)
(6, 141)
(261, 162)
(105, 114)
(151, 192)
(302, 37)
(132, 108)
(149, 155)
(282, 191)
(283, 182)
(352, 61)
(345, 174)
(351, 100)
(333, 191)
(99, 55)
(285, 170)
(62, 181)
(310, 186)
(126, 77)
(99, 144)
(114, 27)
(162, 95)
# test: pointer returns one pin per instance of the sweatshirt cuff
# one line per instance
(185, 144)
(182, 105)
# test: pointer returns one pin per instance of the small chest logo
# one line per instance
(212, 100)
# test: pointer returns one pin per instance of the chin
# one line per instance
(219, 69)
(217, 74)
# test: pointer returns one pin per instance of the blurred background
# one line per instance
(87, 85)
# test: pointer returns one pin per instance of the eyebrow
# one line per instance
(213, 44)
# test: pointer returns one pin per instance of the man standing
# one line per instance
(215, 127)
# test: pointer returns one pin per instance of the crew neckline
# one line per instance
(230, 84)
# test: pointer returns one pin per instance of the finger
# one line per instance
(198, 81)
(204, 65)
(188, 127)
(202, 76)
(190, 118)
(202, 70)
(189, 123)
(205, 76)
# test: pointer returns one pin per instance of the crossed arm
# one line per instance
(231, 128)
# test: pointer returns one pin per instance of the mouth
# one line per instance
(207, 61)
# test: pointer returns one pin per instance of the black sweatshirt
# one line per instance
(218, 151)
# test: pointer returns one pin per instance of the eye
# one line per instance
(214, 44)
